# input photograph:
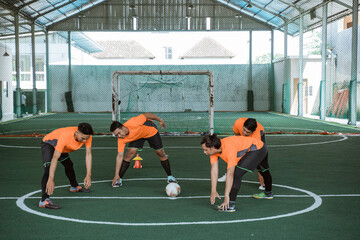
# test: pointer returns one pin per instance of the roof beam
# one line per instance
(241, 10)
(305, 12)
(84, 7)
(343, 4)
(291, 5)
(55, 9)
(16, 11)
(266, 10)
(26, 4)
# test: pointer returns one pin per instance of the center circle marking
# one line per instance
(317, 203)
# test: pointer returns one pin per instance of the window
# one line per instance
(25, 63)
(308, 91)
(39, 63)
(208, 23)
(168, 52)
(13, 63)
(134, 23)
(6, 89)
(40, 77)
(26, 69)
(25, 77)
(348, 22)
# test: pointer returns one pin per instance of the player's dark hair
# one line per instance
(211, 141)
(115, 125)
(251, 124)
(85, 128)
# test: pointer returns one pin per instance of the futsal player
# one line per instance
(242, 155)
(249, 127)
(136, 131)
(55, 147)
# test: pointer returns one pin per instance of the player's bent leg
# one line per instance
(267, 194)
(267, 180)
(238, 174)
(130, 153)
(161, 154)
(124, 167)
(165, 163)
(44, 180)
(261, 181)
(69, 171)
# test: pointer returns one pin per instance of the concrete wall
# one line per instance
(279, 82)
(312, 73)
(341, 40)
(92, 86)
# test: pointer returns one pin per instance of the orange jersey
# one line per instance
(234, 148)
(137, 130)
(63, 140)
(238, 129)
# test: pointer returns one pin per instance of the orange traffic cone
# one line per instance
(137, 160)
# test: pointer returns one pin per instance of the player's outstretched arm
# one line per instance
(50, 185)
(88, 163)
(214, 178)
(152, 116)
(228, 186)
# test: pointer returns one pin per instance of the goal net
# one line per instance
(183, 99)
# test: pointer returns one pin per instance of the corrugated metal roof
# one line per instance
(166, 15)
(82, 42)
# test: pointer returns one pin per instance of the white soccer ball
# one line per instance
(173, 190)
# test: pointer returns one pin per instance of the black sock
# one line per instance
(44, 180)
(166, 165)
(124, 167)
(267, 180)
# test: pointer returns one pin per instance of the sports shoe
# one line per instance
(263, 196)
(230, 209)
(47, 203)
(171, 179)
(261, 187)
(118, 183)
(223, 178)
(79, 189)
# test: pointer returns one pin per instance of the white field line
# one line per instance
(343, 138)
(178, 198)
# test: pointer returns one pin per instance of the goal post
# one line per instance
(140, 91)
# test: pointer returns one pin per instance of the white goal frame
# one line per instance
(115, 80)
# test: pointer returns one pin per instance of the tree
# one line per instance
(266, 58)
(312, 43)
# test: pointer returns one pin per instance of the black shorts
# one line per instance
(48, 152)
(154, 141)
(255, 159)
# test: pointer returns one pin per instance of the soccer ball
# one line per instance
(173, 190)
